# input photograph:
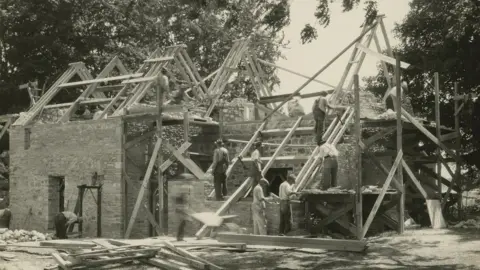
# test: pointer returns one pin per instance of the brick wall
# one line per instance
(74, 150)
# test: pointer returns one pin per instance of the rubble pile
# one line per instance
(17, 236)
(468, 224)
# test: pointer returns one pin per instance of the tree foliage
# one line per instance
(444, 37)
(323, 15)
(38, 39)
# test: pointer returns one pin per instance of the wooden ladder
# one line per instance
(240, 155)
(247, 184)
(334, 132)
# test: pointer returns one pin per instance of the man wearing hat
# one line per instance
(219, 169)
(285, 193)
(258, 208)
(319, 111)
(391, 94)
(256, 169)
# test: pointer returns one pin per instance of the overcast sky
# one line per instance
(343, 29)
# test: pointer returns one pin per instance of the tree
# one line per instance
(323, 15)
(444, 37)
(39, 38)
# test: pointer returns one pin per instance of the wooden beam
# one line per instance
(141, 193)
(179, 151)
(287, 241)
(161, 88)
(186, 131)
(293, 72)
(191, 166)
(437, 126)
(6, 126)
(334, 215)
(381, 134)
(384, 64)
(359, 185)
(187, 254)
(401, 203)
(427, 133)
(379, 165)
(449, 136)
(381, 57)
(465, 96)
(139, 139)
(431, 172)
(380, 197)
(415, 180)
(108, 79)
(320, 71)
(281, 158)
(150, 217)
(159, 59)
(281, 146)
(279, 98)
(458, 146)
(108, 88)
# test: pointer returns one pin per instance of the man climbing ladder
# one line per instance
(320, 111)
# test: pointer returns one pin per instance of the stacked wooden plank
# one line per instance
(161, 253)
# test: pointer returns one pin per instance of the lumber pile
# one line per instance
(295, 242)
(160, 253)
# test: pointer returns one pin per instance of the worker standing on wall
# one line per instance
(329, 155)
(219, 168)
(63, 221)
(320, 111)
(256, 169)
(391, 94)
(258, 208)
(285, 193)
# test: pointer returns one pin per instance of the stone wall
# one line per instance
(244, 131)
(197, 202)
(74, 151)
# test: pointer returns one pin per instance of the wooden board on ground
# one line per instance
(286, 241)
(435, 212)
(67, 244)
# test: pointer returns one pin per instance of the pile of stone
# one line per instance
(17, 236)
(468, 224)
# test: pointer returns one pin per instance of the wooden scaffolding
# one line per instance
(336, 130)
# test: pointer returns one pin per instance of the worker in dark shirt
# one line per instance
(63, 221)
(320, 111)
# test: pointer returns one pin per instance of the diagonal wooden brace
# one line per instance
(188, 163)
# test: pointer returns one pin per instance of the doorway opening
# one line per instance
(275, 177)
(56, 198)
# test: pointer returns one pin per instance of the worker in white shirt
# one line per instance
(329, 155)
(320, 110)
(221, 160)
(285, 193)
(256, 169)
(63, 221)
(258, 208)
(391, 93)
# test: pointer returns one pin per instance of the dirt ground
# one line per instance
(417, 249)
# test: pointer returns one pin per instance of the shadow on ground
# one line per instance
(383, 253)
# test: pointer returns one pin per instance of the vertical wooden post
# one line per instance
(81, 190)
(99, 211)
(160, 85)
(124, 183)
(220, 120)
(458, 145)
(401, 204)
(358, 131)
(186, 131)
(437, 124)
